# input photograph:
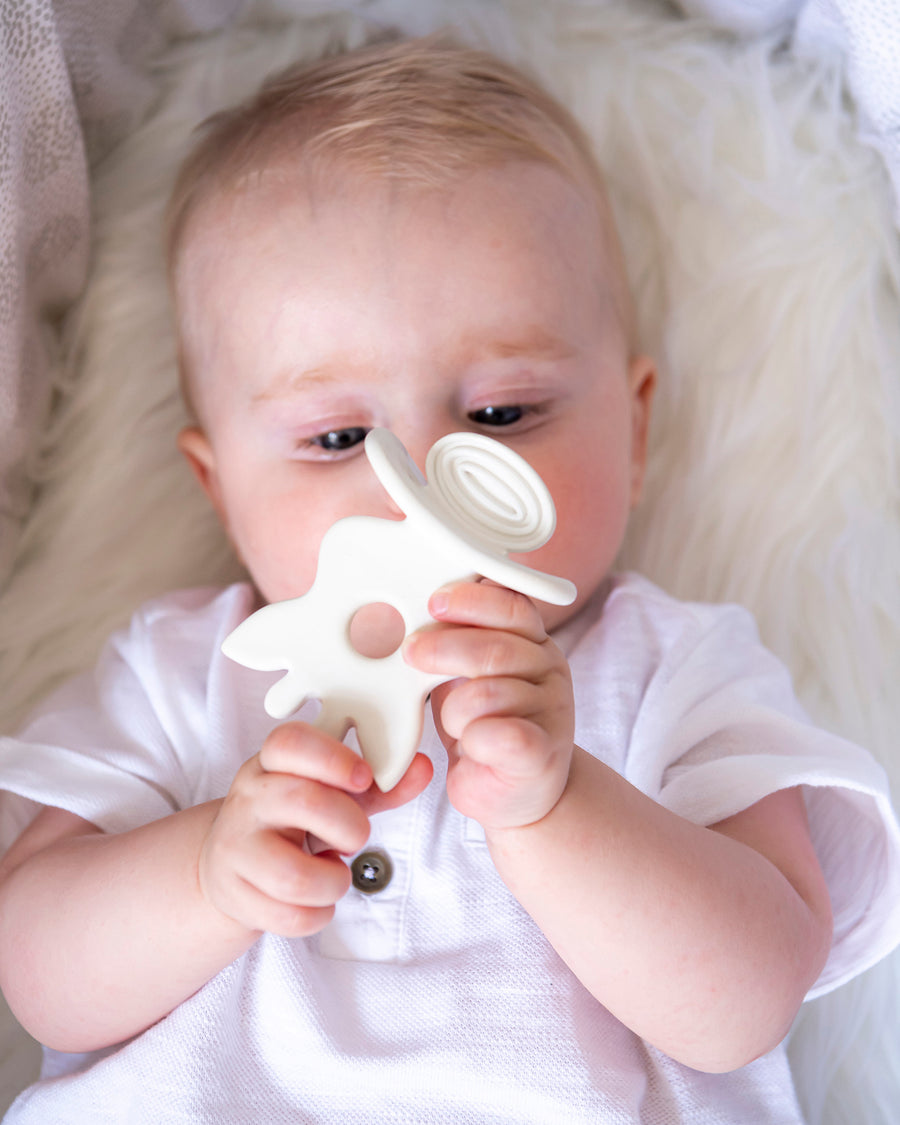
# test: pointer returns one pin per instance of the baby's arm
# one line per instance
(702, 940)
(102, 935)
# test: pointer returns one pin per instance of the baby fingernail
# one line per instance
(439, 602)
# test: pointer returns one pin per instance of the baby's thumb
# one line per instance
(413, 782)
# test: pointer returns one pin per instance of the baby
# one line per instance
(606, 883)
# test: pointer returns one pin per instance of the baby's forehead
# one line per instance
(269, 208)
(282, 191)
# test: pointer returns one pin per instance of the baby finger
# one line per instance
(515, 748)
(473, 652)
(301, 749)
(470, 700)
(490, 606)
(284, 872)
(288, 802)
(257, 911)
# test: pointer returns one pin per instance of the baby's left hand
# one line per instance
(508, 724)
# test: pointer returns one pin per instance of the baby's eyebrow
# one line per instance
(536, 343)
(289, 381)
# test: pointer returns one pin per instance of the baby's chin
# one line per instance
(557, 616)
(270, 590)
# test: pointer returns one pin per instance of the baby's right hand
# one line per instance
(253, 864)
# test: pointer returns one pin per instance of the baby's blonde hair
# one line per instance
(420, 111)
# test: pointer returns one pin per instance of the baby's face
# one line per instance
(485, 307)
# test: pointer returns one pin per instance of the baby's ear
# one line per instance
(198, 452)
(642, 384)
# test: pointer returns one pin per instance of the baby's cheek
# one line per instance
(282, 567)
(583, 549)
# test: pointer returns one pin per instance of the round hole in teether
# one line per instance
(377, 630)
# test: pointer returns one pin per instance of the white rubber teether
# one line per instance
(479, 501)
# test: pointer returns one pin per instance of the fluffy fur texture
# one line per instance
(767, 274)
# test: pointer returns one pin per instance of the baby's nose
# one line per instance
(378, 502)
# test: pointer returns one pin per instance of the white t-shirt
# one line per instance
(438, 999)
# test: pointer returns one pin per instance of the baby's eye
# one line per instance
(498, 415)
(336, 441)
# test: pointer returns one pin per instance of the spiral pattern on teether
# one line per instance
(491, 492)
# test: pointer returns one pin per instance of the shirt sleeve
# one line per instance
(118, 745)
(720, 728)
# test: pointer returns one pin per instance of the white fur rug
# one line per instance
(767, 272)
